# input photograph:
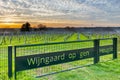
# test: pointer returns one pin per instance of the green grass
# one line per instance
(102, 71)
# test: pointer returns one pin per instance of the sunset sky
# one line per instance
(60, 13)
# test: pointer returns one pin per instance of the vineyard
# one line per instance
(50, 36)
(46, 37)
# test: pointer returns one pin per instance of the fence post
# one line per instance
(96, 51)
(15, 63)
(9, 61)
(114, 48)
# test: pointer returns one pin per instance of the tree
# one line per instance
(69, 28)
(26, 27)
(41, 27)
(23, 27)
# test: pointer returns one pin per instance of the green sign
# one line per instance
(47, 59)
(104, 50)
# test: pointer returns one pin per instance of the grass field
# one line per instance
(102, 71)
(109, 70)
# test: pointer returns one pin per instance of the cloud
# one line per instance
(94, 10)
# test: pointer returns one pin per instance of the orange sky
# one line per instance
(9, 23)
(13, 22)
(57, 24)
(18, 25)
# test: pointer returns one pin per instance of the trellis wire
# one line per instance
(4, 63)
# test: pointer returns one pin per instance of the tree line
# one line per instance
(27, 27)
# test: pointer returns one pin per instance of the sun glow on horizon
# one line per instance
(7, 20)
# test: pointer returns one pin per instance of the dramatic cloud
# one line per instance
(106, 11)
